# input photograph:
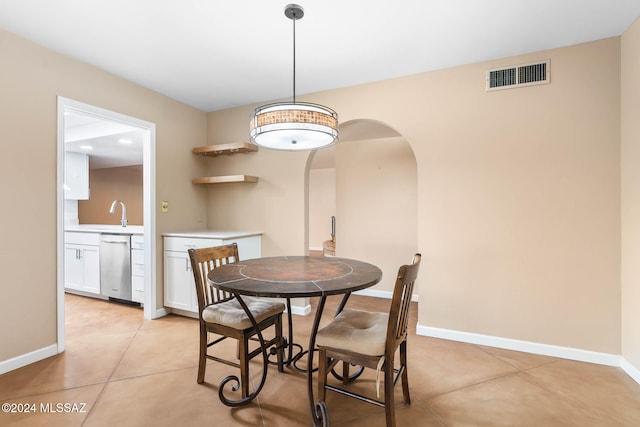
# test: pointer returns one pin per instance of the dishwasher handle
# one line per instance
(115, 240)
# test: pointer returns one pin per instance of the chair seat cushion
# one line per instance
(231, 314)
(357, 331)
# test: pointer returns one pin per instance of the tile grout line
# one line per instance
(424, 401)
(434, 412)
(29, 396)
(108, 380)
(487, 380)
(564, 396)
(117, 380)
(481, 348)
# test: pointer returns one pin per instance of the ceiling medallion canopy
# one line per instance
(294, 125)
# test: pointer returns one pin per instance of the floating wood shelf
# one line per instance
(225, 179)
(228, 149)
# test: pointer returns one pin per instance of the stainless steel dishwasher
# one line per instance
(115, 266)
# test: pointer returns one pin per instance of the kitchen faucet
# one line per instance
(124, 211)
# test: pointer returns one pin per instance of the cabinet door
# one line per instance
(91, 265)
(179, 286)
(137, 262)
(76, 176)
(73, 269)
(137, 289)
(82, 268)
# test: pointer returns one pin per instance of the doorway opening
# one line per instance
(133, 152)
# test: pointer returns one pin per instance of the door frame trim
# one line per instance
(151, 311)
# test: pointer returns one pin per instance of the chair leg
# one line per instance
(323, 371)
(243, 349)
(202, 360)
(405, 375)
(389, 403)
(345, 373)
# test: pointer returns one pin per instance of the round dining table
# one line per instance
(292, 277)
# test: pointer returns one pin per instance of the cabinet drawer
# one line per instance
(137, 241)
(182, 244)
(79, 238)
(137, 289)
(137, 262)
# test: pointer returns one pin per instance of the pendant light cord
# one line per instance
(294, 57)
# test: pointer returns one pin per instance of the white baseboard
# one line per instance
(28, 358)
(180, 312)
(526, 346)
(161, 312)
(381, 294)
(301, 310)
(631, 370)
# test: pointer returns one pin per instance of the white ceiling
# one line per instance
(214, 54)
(109, 144)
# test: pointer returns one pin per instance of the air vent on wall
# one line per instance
(519, 75)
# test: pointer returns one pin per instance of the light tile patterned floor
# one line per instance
(128, 371)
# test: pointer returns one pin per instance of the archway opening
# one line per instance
(368, 182)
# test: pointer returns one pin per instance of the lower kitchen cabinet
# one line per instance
(179, 285)
(82, 263)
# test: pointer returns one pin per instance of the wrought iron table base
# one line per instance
(292, 277)
(291, 360)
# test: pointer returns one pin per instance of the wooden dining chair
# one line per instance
(371, 340)
(221, 314)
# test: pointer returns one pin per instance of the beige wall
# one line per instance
(275, 205)
(107, 185)
(31, 78)
(376, 204)
(631, 195)
(518, 193)
(520, 198)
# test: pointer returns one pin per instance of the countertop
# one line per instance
(214, 234)
(105, 228)
(139, 229)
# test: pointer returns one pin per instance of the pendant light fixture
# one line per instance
(294, 125)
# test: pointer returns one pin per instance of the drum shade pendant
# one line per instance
(295, 125)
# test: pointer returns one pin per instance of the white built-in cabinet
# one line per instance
(82, 262)
(179, 284)
(76, 176)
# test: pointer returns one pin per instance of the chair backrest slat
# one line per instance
(400, 303)
(202, 262)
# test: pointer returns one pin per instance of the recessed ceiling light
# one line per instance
(125, 141)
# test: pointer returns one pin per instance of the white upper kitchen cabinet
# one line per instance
(76, 176)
